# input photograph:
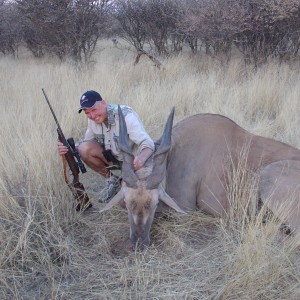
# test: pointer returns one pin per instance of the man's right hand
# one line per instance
(62, 150)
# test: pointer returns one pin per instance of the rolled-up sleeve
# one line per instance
(89, 134)
(137, 132)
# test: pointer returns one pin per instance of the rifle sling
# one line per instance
(63, 158)
(77, 189)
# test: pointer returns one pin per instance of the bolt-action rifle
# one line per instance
(75, 165)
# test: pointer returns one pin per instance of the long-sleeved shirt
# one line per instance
(107, 133)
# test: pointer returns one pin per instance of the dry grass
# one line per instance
(47, 251)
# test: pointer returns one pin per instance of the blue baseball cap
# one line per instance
(88, 100)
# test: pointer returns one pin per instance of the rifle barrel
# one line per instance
(52, 111)
(64, 140)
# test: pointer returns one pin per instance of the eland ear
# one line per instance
(163, 196)
(114, 201)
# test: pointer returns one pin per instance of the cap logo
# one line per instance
(83, 99)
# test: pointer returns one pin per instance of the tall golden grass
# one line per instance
(48, 251)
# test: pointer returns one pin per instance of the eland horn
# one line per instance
(128, 173)
(160, 154)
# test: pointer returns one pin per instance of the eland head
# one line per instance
(142, 190)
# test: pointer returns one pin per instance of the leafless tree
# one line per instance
(10, 28)
(150, 26)
(258, 28)
(63, 27)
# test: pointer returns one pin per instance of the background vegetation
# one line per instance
(256, 29)
(48, 251)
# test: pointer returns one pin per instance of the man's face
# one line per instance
(98, 112)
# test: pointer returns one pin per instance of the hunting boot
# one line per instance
(112, 186)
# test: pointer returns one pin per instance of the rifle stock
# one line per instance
(76, 187)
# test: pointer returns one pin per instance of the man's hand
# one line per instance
(140, 160)
(137, 163)
(62, 150)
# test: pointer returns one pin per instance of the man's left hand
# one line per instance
(137, 163)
